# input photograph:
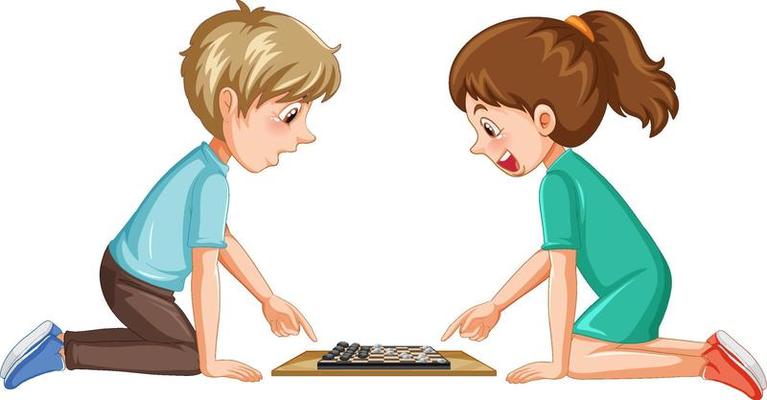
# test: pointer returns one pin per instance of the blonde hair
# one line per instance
(259, 54)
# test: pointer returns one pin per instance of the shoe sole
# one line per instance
(731, 357)
(744, 357)
(21, 360)
(27, 343)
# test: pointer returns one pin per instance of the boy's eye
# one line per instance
(289, 113)
(490, 127)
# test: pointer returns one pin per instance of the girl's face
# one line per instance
(513, 140)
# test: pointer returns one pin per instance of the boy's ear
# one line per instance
(544, 119)
(227, 103)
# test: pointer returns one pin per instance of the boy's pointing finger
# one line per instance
(307, 328)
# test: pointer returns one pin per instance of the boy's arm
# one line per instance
(236, 260)
(205, 304)
(476, 322)
(283, 317)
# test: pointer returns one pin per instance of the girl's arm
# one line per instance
(476, 322)
(534, 271)
(562, 296)
(562, 287)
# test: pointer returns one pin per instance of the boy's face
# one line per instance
(257, 139)
(507, 136)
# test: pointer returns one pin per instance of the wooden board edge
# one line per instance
(276, 372)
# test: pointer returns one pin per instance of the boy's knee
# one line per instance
(190, 359)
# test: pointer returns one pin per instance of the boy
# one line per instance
(251, 77)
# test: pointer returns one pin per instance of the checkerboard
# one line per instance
(354, 356)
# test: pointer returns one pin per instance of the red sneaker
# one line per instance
(740, 354)
(723, 368)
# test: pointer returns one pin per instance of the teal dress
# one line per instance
(581, 211)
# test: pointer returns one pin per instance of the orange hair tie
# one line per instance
(579, 24)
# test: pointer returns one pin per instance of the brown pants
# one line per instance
(158, 339)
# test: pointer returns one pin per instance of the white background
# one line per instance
(386, 228)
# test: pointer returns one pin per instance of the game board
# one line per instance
(354, 356)
(461, 364)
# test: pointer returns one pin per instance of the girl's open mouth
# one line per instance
(508, 162)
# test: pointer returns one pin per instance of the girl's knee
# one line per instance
(577, 368)
(585, 345)
(581, 349)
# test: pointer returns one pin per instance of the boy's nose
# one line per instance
(306, 137)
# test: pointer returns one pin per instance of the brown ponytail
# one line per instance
(637, 85)
(525, 62)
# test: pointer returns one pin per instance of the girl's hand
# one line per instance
(535, 371)
(476, 322)
(230, 369)
(285, 319)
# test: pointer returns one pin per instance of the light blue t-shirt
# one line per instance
(186, 209)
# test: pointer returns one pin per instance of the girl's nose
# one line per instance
(477, 149)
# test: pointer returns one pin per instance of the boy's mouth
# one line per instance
(508, 162)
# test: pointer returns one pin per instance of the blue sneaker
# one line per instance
(42, 359)
(47, 328)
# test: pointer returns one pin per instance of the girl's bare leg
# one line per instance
(597, 359)
(670, 346)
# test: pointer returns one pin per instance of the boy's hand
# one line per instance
(476, 322)
(285, 319)
(230, 369)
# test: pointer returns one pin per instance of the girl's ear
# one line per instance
(544, 119)
(227, 103)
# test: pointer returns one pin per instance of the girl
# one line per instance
(532, 88)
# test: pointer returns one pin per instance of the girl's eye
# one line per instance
(490, 127)
(289, 113)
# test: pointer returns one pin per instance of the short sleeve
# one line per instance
(209, 204)
(559, 202)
